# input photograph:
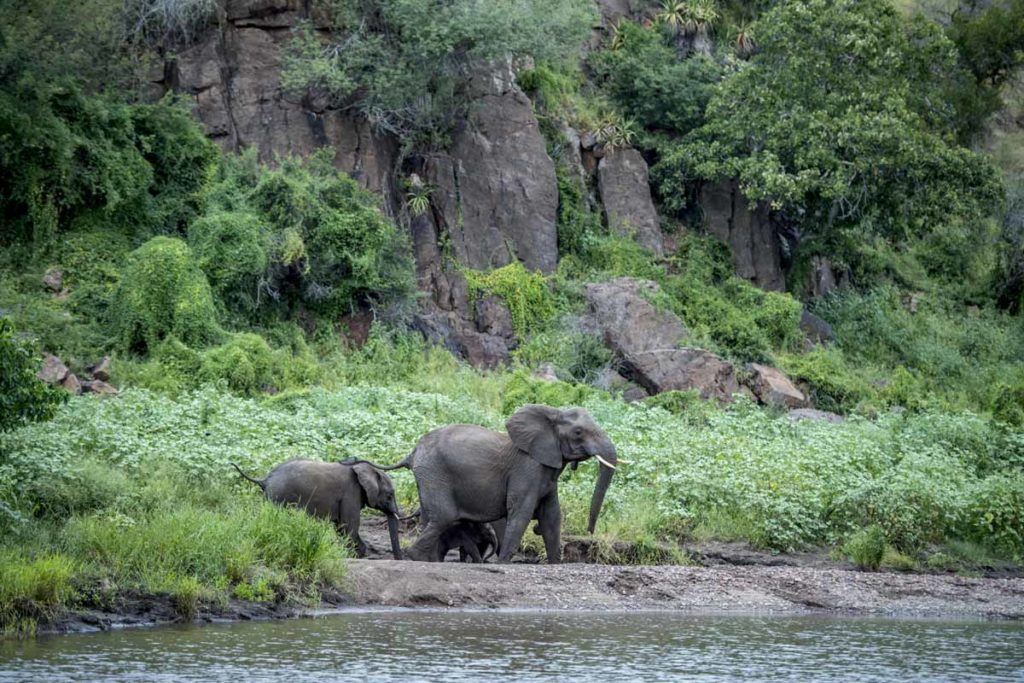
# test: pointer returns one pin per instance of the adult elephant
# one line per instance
(469, 473)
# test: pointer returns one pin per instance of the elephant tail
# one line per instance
(259, 482)
(405, 462)
(411, 515)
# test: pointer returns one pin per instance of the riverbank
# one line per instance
(594, 587)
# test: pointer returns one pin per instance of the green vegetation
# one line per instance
(23, 398)
(221, 284)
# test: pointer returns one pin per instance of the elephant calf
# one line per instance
(474, 540)
(335, 491)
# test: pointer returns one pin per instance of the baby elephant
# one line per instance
(473, 539)
(335, 491)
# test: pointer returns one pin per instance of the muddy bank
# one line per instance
(743, 588)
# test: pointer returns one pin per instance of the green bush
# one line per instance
(866, 548)
(250, 366)
(23, 397)
(522, 389)
(835, 386)
(163, 293)
(231, 248)
(995, 513)
(526, 294)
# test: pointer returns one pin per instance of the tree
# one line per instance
(23, 397)
(839, 122)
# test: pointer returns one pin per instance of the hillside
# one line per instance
(776, 249)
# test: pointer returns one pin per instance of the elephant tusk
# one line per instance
(604, 462)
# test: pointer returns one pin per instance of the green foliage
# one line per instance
(995, 513)
(526, 294)
(231, 248)
(835, 385)
(522, 388)
(840, 133)
(322, 240)
(578, 224)
(23, 397)
(163, 293)
(866, 548)
(645, 77)
(574, 353)
(250, 366)
(166, 23)
(406, 64)
(32, 590)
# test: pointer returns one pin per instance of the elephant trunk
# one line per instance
(396, 550)
(608, 460)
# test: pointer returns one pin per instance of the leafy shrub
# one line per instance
(23, 397)
(327, 245)
(167, 22)
(866, 548)
(995, 513)
(163, 293)
(644, 75)
(250, 366)
(574, 353)
(526, 294)
(230, 247)
(835, 386)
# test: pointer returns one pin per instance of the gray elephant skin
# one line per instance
(475, 542)
(470, 473)
(334, 491)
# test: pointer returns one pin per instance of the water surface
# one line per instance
(483, 646)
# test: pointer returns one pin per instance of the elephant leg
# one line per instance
(499, 532)
(549, 523)
(347, 523)
(471, 550)
(462, 554)
(426, 546)
(519, 515)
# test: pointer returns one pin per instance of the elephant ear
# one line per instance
(369, 479)
(532, 429)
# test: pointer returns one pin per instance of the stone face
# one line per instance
(814, 415)
(53, 371)
(626, 196)
(773, 388)
(53, 279)
(627, 321)
(496, 194)
(756, 250)
(447, 328)
(682, 370)
(101, 370)
(234, 75)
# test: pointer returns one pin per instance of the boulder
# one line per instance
(773, 388)
(71, 384)
(682, 370)
(814, 328)
(101, 370)
(546, 372)
(493, 317)
(53, 279)
(626, 196)
(627, 321)
(814, 415)
(750, 234)
(821, 280)
(447, 328)
(53, 371)
(496, 196)
(98, 387)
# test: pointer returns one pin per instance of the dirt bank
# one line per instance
(745, 588)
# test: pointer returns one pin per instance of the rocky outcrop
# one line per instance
(234, 75)
(449, 329)
(496, 195)
(684, 370)
(53, 371)
(773, 388)
(627, 321)
(53, 279)
(626, 196)
(816, 330)
(750, 234)
(56, 373)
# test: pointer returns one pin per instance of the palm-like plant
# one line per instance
(690, 21)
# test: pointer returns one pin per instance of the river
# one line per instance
(483, 646)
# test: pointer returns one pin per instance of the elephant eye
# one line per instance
(578, 431)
